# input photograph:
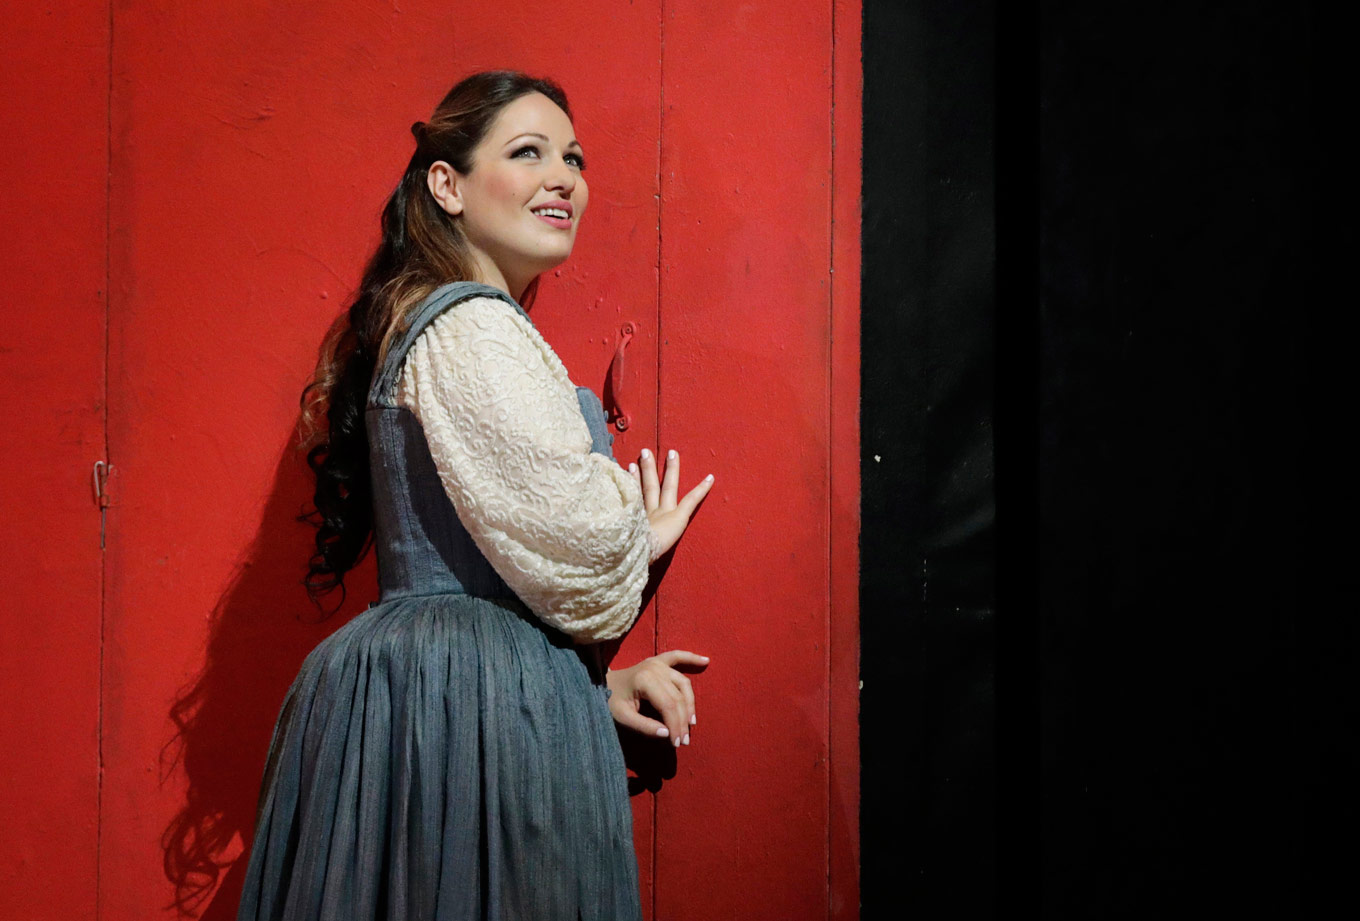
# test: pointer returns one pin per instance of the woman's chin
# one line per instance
(550, 260)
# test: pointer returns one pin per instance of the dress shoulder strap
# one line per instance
(436, 302)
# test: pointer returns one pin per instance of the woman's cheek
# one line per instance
(505, 188)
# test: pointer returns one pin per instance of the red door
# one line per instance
(251, 148)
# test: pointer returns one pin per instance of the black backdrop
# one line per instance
(1085, 238)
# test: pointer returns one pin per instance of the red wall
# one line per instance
(53, 195)
(223, 186)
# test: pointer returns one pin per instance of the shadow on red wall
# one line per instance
(260, 631)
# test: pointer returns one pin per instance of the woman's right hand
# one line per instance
(659, 682)
(667, 515)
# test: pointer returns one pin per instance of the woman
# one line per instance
(450, 753)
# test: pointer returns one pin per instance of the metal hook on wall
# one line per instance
(622, 418)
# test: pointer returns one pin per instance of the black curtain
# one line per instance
(1086, 234)
(928, 581)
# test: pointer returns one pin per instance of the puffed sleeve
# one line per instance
(564, 527)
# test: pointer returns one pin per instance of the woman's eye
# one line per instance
(570, 158)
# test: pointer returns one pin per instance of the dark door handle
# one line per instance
(622, 418)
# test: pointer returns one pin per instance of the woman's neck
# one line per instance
(487, 272)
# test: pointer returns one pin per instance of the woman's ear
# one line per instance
(446, 186)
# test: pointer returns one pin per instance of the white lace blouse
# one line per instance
(564, 527)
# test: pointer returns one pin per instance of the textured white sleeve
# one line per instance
(564, 527)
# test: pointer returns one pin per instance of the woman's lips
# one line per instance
(557, 222)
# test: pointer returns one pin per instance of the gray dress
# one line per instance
(445, 755)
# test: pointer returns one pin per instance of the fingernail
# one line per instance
(686, 738)
(676, 742)
(663, 732)
(709, 478)
(693, 718)
(671, 454)
(646, 453)
(632, 467)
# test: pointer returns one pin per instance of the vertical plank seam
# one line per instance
(830, 464)
(660, 204)
(103, 551)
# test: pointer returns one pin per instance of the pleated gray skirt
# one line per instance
(444, 757)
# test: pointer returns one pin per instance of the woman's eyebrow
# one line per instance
(533, 134)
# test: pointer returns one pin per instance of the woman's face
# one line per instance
(522, 201)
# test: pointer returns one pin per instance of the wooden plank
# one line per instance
(54, 91)
(745, 393)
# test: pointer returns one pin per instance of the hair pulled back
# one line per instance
(423, 247)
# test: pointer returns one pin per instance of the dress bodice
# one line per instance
(422, 547)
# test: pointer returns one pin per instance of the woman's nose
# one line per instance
(562, 177)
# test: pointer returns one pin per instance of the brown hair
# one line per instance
(422, 248)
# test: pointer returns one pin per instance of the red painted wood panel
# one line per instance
(53, 102)
(746, 381)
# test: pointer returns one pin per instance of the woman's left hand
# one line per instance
(657, 681)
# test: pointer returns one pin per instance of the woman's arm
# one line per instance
(565, 528)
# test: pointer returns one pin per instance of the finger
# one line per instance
(670, 486)
(673, 656)
(695, 496)
(687, 691)
(679, 684)
(666, 698)
(650, 491)
(627, 716)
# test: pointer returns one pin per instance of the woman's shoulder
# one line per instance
(438, 311)
(458, 297)
(480, 312)
(479, 325)
(483, 328)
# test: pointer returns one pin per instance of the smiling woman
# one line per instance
(451, 753)
(524, 199)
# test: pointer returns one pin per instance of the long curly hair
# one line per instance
(423, 247)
